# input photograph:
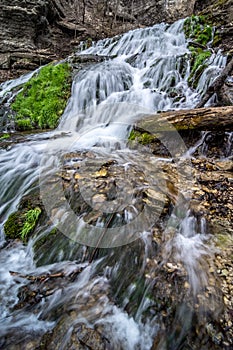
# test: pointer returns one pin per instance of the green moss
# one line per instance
(201, 56)
(5, 136)
(141, 137)
(24, 124)
(200, 33)
(198, 30)
(20, 225)
(198, 64)
(222, 240)
(43, 98)
(45, 238)
(13, 226)
(217, 39)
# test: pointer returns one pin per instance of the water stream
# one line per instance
(149, 72)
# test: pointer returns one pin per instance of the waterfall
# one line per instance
(148, 72)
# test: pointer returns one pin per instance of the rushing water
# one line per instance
(148, 72)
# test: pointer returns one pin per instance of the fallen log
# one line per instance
(201, 119)
(216, 85)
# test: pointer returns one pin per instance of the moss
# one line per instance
(43, 98)
(198, 30)
(24, 124)
(224, 240)
(21, 224)
(45, 238)
(4, 137)
(141, 137)
(200, 33)
(13, 226)
(199, 57)
(217, 40)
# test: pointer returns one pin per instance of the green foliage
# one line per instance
(198, 30)
(198, 64)
(43, 98)
(200, 59)
(24, 124)
(4, 136)
(31, 219)
(200, 33)
(20, 225)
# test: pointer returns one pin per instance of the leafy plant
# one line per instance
(43, 98)
(31, 218)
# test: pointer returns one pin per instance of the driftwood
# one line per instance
(42, 278)
(217, 84)
(210, 119)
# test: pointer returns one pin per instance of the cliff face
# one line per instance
(34, 32)
(220, 14)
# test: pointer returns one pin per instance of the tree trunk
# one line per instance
(211, 119)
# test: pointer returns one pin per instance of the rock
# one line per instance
(57, 26)
(220, 15)
(225, 95)
(81, 337)
(226, 165)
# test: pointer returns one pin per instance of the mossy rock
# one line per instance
(13, 226)
(198, 30)
(143, 138)
(200, 34)
(4, 136)
(199, 62)
(43, 98)
(21, 224)
(149, 142)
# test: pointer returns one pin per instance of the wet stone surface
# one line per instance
(91, 184)
(95, 186)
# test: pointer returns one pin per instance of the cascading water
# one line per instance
(148, 72)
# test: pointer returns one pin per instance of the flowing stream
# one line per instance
(148, 72)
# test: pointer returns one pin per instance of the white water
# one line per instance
(149, 73)
(11, 84)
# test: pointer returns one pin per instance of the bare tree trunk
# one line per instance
(211, 119)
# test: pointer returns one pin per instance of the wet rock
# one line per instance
(81, 337)
(107, 183)
(225, 95)
(63, 317)
(226, 165)
(220, 15)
